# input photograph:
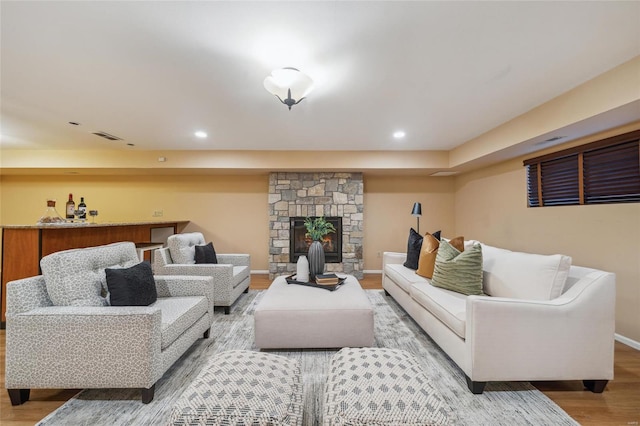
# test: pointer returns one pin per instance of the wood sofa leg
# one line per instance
(147, 394)
(207, 333)
(227, 310)
(476, 388)
(18, 396)
(595, 386)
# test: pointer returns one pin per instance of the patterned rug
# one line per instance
(513, 403)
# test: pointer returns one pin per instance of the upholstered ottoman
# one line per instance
(295, 316)
(380, 386)
(243, 388)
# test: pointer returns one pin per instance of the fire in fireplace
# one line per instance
(299, 243)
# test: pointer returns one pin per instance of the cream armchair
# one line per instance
(62, 333)
(231, 275)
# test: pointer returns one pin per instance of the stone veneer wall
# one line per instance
(316, 194)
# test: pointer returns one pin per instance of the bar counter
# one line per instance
(24, 245)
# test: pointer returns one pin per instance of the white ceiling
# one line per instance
(153, 72)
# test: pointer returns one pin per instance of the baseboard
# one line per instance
(372, 271)
(629, 342)
(259, 271)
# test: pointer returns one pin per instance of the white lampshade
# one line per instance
(289, 85)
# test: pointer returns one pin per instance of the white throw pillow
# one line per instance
(523, 275)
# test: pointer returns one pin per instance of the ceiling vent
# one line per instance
(107, 136)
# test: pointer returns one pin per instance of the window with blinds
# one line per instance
(606, 171)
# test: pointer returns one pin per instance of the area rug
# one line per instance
(513, 403)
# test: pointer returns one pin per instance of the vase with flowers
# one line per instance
(317, 228)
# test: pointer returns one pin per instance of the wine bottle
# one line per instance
(82, 208)
(71, 208)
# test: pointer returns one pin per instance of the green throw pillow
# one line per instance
(458, 271)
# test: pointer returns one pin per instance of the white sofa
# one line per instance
(539, 323)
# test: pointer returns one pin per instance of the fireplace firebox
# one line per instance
(299, 243)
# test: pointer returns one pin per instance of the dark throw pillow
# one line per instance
(413, 250)
(206, 254)
(132, 286)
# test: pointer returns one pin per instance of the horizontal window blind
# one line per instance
(532, 185)
(560, 181)
(611, 174)
(606, 171)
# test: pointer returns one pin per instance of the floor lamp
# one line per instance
(417, 212)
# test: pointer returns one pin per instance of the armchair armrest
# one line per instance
(81, 347)
(236, 259)
(570, 337)
(186, 285)
(27, 294)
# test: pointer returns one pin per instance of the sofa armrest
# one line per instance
(83, 347)
(570, 337)
(393, 257)
(236, 259)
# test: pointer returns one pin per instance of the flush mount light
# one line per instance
(399, 134)
(200, 134)
(289, 85)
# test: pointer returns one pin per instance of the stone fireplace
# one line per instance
(294, 196)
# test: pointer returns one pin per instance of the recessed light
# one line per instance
(399, 134)
(200, 134)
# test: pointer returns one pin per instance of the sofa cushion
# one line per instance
(428, 254)
(402, 276)
(178, 314)
(205, 254)
(458, 271)
(132, 286)
(182, 247)
(524, 275)
(77, 277)
(448, 306)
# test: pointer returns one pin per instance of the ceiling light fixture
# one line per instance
(200, 134)
(289, 85)
(399, 134)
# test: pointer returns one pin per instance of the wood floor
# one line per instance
(619, 404)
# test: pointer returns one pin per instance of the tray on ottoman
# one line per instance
(243, 388)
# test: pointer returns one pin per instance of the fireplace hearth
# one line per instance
(299, 243)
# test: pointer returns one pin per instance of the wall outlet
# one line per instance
(158, 213)
(379, 254)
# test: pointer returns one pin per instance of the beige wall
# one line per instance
(491, 206)
(388, 202)
(230, 210)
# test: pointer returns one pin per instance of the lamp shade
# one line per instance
(289, 85)
(417, 209)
